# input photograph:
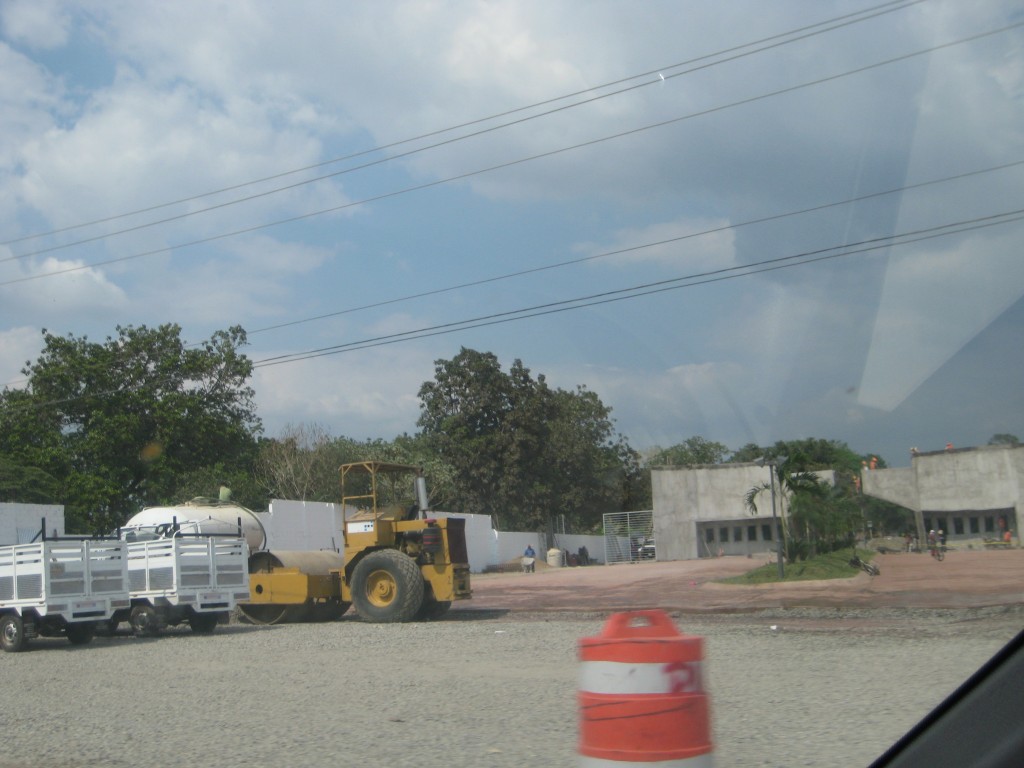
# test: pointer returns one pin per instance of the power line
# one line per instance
(620, 251)
(784, 38)
(646, 289)
(511, 163)
(804, 258)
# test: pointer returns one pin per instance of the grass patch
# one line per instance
(834, 565)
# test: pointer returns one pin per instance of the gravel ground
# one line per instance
(482, 688)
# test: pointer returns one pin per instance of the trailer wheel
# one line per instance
(387, 587)
(12, 633)
(144, 621)
(80, 632)
(203, 623)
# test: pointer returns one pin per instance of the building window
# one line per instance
(737, 533)
(709, 535)
(751, 533)
(990, 524)
(766, 532)
(958, 525)
(929, 526)
(975, 525)
(723, 535)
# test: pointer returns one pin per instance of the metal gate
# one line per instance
(628, 537)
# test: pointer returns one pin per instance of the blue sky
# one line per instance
(111, 108)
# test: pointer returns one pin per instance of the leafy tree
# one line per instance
(520, 450)
(118, 424)
(25, 484)
(693, 450)
(300, 464)
(1004, 439)
(817, 516)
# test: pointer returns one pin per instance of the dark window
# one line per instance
(990, 524)
(958, 525)
(751, 533)
(975, 524)
(737, 533)
(723, 535)
(766, 532)
(709, 535)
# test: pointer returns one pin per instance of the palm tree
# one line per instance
(804, 490)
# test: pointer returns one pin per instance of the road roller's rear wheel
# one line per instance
(387, 587)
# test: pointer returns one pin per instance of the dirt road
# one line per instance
(967, 579)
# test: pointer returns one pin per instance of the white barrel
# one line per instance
(556, 558)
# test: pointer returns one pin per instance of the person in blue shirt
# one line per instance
(529, 559)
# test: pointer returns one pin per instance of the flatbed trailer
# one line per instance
(185, 578)
(60, 586)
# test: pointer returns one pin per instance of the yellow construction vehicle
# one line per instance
(397, 564)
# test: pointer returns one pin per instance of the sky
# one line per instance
(750, 222)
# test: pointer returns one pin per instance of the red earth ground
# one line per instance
(965, 579)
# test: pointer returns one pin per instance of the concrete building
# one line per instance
(701, 511)
(970, 493)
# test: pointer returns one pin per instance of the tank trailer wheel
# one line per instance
(387, 587)
(144, 621)
(80, 632)
(12, 633)
(202, 623)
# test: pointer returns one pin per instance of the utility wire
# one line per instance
(619, 251)
(511, 163)
(784, 38)
(646, 289)
(638, 291)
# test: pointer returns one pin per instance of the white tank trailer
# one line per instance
(201, 515)
(188, 564)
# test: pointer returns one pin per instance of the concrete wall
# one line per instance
(949, 488)
(19, 523)
(311, 525)
(690, 500)
(701, 511)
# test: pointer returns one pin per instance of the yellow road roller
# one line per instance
(398, 563)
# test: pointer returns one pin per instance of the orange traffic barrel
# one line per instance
(641, 695)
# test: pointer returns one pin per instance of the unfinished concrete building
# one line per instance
(970, 493)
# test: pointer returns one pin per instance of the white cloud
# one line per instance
(38, 24)
(132, 136)
(935, 300)
(363, 395)
(61, 295)
(18, 345)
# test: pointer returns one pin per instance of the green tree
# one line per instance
(520, 450)
(814, 513)
(119, 424)
(694, 450)
(1004, 439)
